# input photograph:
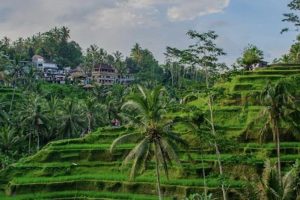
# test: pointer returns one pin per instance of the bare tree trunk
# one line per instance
(213, 131)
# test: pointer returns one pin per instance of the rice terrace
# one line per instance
(146, 99)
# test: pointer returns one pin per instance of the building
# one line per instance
(77, 75)
(105, 74)
(125, 79)
(49, 71)
(37, 61)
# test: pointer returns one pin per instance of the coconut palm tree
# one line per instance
(279, 104)
(34, 117)
(54, 112)
(154, 139)
(269, 187)
(279, 107)
(91, 109)
(8, 138)
(72, 119)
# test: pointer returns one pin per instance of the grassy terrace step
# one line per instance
(117, 177)
(271, 145)
(105, 147)
(230, 159)
(65, 164)
(278, 67)
(257, 78)
(101, 167)
(273, 72)
(81, 195)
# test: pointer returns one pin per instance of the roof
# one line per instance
(104, 66)
(36, 57)
(88, 86)
(77, 69)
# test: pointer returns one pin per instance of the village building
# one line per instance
(49, 71)
(105, 74)
(102, 74)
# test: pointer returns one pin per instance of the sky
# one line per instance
(154, 24)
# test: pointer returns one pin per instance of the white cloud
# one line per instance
(195, 8)
(112, 24)
(124, 15)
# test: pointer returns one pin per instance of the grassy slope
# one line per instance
(80, 168)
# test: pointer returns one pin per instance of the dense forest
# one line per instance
(191, 128)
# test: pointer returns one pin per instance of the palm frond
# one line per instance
(162, 157)
(135, 151)
(170, 150)
(131, 137)
(139, 153)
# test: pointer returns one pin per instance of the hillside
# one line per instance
(83, 168)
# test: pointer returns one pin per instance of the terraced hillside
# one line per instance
(83, 168)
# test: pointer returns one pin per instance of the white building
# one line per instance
(50, 71)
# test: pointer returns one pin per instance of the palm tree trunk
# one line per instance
(204, 178)
(214, 134)
(89, 122)
(12, 99)
(29, 143)
(172, 76)
(276, 131)
(38, 139)
(157, 173)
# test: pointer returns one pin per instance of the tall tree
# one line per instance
(73, 123)
(279, 105)
(91, 109)
(34, 119)
(251, 55)
(8, 139)
(270, 189)
(292, 17)
(204, 54)
(154, 138)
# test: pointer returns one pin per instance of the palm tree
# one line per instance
(65, 32)
(54, 111)
(269, 187)
(204, 54)
(295, 53)
(8, 138)
(72, 119)
(155, 139)
(34, 117)
(91, 108)
(279, 103)
(279, 106)
(137, 54)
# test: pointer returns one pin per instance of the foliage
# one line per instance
(251, 55)
(200, 197)
(155, 140)
(270, 189)
(292, 17)
(52, 45)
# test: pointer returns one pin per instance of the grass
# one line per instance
(211, 182)
(90, 147)
(82, 195)
(271, 145)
